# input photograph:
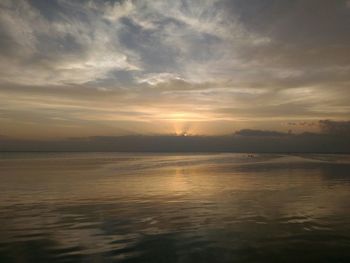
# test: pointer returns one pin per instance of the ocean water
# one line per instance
(114, 207)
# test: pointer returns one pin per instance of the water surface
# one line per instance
(112, 207)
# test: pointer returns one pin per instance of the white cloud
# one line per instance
(155, 79)
(112, 10)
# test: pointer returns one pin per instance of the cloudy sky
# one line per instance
(206, 67)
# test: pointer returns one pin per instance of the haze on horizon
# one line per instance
(213, 67)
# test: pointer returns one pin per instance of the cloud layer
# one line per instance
(86, 68)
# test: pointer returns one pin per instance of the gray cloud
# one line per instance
(335, 127)
(253, 141)
(260, 133)
(124, 66)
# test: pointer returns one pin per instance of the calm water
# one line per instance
(108, 207)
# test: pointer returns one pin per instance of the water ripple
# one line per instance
(174, 208)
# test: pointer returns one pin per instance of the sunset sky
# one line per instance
(209, 67)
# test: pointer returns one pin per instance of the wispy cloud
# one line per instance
(147, 66)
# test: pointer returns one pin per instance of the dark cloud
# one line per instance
(259, 142)
(260, 133)
(52, 10)
(335, 127)
(299, 22)
(308, 35)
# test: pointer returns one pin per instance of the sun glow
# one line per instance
(180, 116)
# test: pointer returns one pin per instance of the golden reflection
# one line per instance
(179, 181)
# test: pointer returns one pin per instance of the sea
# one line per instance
(152, 207)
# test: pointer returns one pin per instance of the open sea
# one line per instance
(124, 207)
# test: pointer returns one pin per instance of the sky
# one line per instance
(89, 68)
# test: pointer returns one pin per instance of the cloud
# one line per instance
(335, 127)
(155, 79)
(173, 63)
(260, 133)
(58, 48)
(255, 141)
